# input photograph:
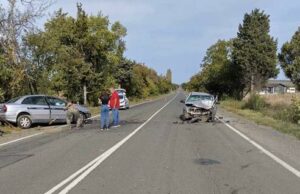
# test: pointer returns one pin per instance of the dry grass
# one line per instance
(280, 99)
(8, 129)
(268, 116)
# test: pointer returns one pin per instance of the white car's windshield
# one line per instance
(193, 98)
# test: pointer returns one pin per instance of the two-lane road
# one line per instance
(152, 152)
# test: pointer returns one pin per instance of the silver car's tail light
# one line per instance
(4, 108)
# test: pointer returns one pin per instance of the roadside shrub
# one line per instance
(282, 115)
(232, 103)
(294, 111)
(1, 95)
(255, 102)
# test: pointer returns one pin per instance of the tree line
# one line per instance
(71, 57)
(243, 64)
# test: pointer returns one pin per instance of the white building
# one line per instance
(278, 87)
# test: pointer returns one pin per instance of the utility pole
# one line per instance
(84, 94)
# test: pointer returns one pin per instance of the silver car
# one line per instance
(27, 110)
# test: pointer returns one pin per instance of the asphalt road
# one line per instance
(161, 155)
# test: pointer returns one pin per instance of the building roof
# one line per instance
(273, 83)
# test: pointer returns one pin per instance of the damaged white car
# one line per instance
(199, 107)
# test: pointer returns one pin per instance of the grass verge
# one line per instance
(261, 118)
(7, 129)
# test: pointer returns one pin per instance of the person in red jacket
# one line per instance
(114, 104)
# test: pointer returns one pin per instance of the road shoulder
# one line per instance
(283, 145)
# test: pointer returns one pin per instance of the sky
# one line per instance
(175, 34)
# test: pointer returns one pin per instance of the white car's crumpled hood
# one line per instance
(206, 104)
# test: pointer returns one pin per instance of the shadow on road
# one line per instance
(206, 162)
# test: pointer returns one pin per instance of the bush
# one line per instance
(1, 95)
(232, 103)
(294, 111)
(255, 102)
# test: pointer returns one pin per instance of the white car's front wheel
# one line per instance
(24, 121)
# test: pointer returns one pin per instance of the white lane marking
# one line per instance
(20, 139)
(262, 149)
(86, 170)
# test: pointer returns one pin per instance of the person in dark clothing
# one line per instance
(103, 100)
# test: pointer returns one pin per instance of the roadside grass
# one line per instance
(7, 129)
(94, 110)
(280, 99)
(269, 116)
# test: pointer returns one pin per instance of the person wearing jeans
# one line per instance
(115, 114)
(114, 104)
(103, 100)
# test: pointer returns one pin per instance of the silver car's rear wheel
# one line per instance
(24, 121)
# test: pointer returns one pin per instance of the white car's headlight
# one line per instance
(187, 109)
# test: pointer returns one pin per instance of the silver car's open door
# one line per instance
(38, 108)
(57, 109)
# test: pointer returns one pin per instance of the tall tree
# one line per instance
(169, 75)
(217, 69)
(216, 75)
(290, 58)
(82, 55)
(76, 54)
(254, 51)
(16, 20)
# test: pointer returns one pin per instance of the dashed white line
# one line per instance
(87, 169)
(262, 149)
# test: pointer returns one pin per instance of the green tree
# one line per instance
(290, 58)
(146, 82)
(254, 51)
(124, 74)
(77, 57)
(216, 67)
(216, 75)
(16, 19)
(169, 75)
(80, 53)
